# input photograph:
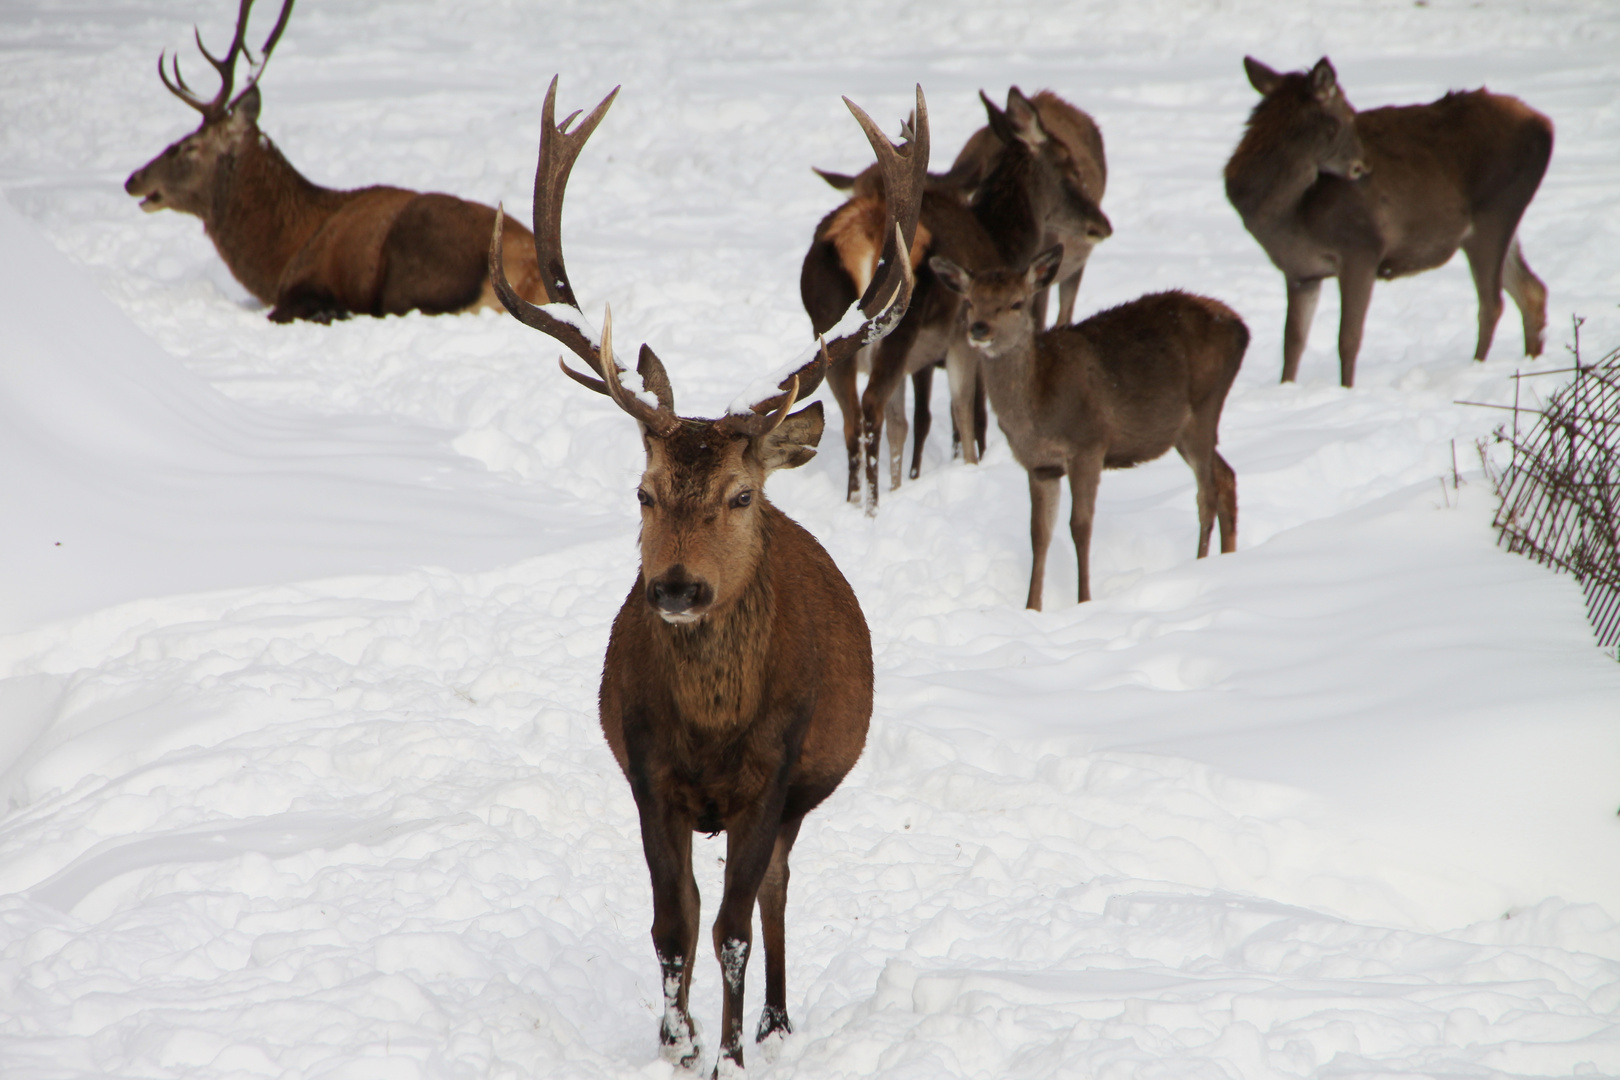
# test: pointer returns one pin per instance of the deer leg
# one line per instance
(1199, 456)
(1530, 295)
(1068, 289)
(922, 387)
(1487, 252)
(772, 910)
(1037, 308)
(1084, 476)
(666, 840)
(895, 416)
(841, 379)
(752, 838)
(1044, 493)
(888, 371)
(962, 372)
(1356, 280)
(1302, 297)
(981, 411)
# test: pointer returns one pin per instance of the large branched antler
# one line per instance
(225, 66)
(904, 169)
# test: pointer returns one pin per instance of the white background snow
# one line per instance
(299, 762)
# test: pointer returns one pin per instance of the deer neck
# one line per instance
(717, 665)
(1010, 378)
(262, 212)
(1267, 178)
(1005, 203)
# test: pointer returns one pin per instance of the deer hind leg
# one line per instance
(962, 372)
(922, 388)
(1529, 294)
(773, 1020)
(841, 379)
(1084, 476)
(1487, 251)
(1302, 298)
(888, 373)
(1044, 493)
(1226, 502)
(894, 414)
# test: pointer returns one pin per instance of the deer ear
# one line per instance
(1026, 122)
(955, 278)
(246, 107)
(1324, 80)
(1262, 78)
(794, 441)
(1043, 271)
(1000, 126)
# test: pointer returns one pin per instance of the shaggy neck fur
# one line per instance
(1276, 162)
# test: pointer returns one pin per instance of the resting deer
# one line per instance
(307, 251)
(737, 685)
(1332, 192)
(1119, 389)
(1034, 193)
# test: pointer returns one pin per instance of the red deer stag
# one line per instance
(1034, 193)
(1332, 192)
(737, 685)
(307, 251)
(1116, 390)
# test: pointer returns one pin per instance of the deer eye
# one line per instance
(1018, 305)
(643, 498)
(742, 499)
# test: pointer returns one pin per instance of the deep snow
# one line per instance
(299, 739)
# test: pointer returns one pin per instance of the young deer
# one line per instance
(1116, 390)
(1033, 192)
(737, 685)
(1331, 192)
(307, 251)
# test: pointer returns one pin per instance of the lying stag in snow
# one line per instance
(311, 252)
(1114, 391)
(738, 680)
(1034, 190)
(1331, 192)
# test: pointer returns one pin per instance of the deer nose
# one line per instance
(674, 593)
(979, 331)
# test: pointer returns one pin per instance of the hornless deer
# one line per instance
(1032, 192)
(307, 251)
(1116, 390)
(1332, 192)
(737, 685)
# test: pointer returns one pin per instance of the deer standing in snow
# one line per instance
(1119, 389)
(1332, 192)
(737, 685)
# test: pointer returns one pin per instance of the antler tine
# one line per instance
(265, 50)
(225, 66)
(658, 419)
(558, 149)
(539, 318)
(905, 172)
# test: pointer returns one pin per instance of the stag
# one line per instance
(306, 251)
(737, 684)
(990, 210)
(1332, 192)
(1117, 390)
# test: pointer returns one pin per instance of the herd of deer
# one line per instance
(737, 685)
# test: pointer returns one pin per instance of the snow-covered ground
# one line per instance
(298, 746)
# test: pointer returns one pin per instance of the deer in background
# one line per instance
(1117, 390)
(1332, 192)
(737, 685)
(310, 252)
(1031, 192)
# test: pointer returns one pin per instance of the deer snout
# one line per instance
(678, 597)
(137, 185)
(980, 332)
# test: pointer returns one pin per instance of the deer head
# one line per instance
(1055, 177)
(704, 513)
(181, 178)
(1309, 109)
(998, 314)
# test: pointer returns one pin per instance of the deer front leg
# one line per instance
(1043, 503)
(922, 387)
(962, 372)
(841, 379)
(895, 415)
(1356, 280)
(666, 840)
(1068, 289)
(751, 842)
(772, 913)
(888, 371)
(1084, 475)
(1302, 297)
